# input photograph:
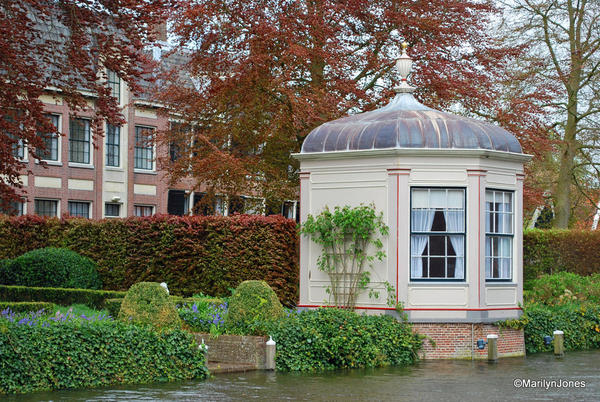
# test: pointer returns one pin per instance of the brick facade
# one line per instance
(459, 340)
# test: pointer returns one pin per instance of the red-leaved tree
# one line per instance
(63, 47)
(267, 72)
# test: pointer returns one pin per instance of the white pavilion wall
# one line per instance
(386, 181)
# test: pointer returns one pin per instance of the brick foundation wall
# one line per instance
(459, 340)
(236, 349)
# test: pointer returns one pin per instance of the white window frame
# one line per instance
(81, 202)
(89, 165)
(47, 199)
(113, 203)
(120, 158)
(490, 232)
(58, 161)
(447, 234)
(144, 205)
(142, 170)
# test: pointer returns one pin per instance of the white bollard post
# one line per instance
(492, 340)
(559, 343)
(270, 360)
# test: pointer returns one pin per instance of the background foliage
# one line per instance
(329, 338)
(550, 251)
(78, 353)
(192, 254)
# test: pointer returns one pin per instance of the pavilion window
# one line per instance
(437, 240)
(499, 233)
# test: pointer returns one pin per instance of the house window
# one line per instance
(50, 153)
(15, 208)
(112, 209)
(79, 141)
(114, 83)
(46, 207)
(79, 208)
(144, 151)
(113, 144)
(499, 232)
(142, 210)
(437, 240)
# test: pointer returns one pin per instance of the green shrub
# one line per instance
(252, 303)
(19, 307)
(563, 288)
(147, 303)
(204, 316)
(76, 354)
(579, 322)
(53, 267)
(329, 338)
(192, 254)
(65, 297)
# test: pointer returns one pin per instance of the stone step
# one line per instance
(220, 367)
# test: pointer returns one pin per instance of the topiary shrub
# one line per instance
(52, 267)
(252, 304)
(148, 303)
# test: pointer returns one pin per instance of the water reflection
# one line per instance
(433, 380)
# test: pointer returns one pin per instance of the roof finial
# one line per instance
(403, 65)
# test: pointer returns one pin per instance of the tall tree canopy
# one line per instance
(563, 36)
(266, 72)
(64, 46)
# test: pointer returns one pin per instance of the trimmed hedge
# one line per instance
(330, 338)
(20, 307)
(74, 355)
(147, 303)
(53, 267)
(563, 288)
(580, 323)
(551, 251)
(114, 305)
(65, 297)
(252, 301)
(192, 254)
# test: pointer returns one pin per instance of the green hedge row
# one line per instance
(19, 307)
(114, 305)
(551, 251)
(65, 297)
(330, 338)
(580, 323)
(74, 355)
(192, 254)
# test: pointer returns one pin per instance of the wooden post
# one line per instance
(559, 343)
(492, 340)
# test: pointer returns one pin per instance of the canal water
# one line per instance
(576, 377)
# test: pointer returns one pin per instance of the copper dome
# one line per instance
(406, 123)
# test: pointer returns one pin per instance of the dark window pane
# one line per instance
(236, 205)
(144, 151)
(437, 245)
(79, 209)
(111, 209)
(437, 267)
(114, 83)
(113, 145)
(50, 152)
(79, 141)
(176, 202)
(46, 207)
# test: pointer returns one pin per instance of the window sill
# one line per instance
(80, 165)
(143, 171)
(501, 283)
(49, 163)
(426, 283)
(114, 168)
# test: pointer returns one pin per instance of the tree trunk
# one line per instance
(565, 176)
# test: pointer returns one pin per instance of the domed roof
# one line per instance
(406, 123)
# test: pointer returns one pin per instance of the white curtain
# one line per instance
(417, 245)
(422, 220)
(455, 223)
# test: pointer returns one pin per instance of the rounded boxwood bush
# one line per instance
(52, 267)
(253, 303)
(148, 303)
